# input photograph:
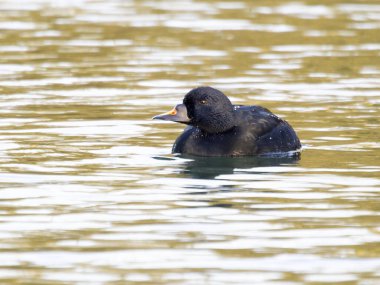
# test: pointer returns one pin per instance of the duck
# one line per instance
(216, 127)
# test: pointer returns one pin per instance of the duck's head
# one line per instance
(203, 107)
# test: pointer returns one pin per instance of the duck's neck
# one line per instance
(220, 124)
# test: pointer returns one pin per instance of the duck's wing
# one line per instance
(269, 132)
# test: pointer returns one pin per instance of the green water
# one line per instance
(89, 192)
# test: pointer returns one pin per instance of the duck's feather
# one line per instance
(257, 131)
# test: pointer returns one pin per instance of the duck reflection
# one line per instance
(211, 167)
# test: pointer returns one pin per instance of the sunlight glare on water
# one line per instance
(90, 192)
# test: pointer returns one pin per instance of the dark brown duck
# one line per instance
(218, 128)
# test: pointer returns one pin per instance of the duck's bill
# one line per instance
(177, 114)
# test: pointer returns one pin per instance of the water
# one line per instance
(89, 191)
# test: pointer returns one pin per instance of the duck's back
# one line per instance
(257, 131)
(267, 132)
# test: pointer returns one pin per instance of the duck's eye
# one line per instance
(203, 101)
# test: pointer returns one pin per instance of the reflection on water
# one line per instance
(212, 167)
(89, 192)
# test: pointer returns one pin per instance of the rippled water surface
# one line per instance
(89, 191)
